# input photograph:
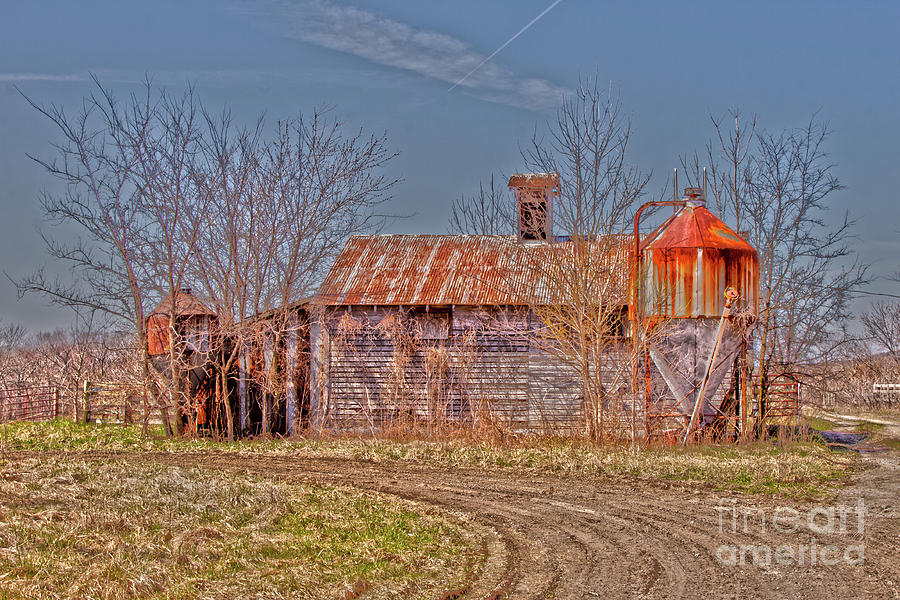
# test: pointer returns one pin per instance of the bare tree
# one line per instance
(882, 326)
(12, 337)
(587, 280)
(169, 195)
(730, 164)
(489, 212)
(279, 210)
(776, 187)
(96, 161)
(166, 152)
(806, 278)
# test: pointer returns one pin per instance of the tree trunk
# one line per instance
(145, 380)
(226, 401)
(176, 387)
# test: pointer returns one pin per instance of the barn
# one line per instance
(267, 387)
(426, 329)
(431, 327)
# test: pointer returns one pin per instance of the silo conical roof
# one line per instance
(695, 227)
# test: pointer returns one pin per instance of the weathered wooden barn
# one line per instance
(427, 328)
(434, 327)
(430, 327)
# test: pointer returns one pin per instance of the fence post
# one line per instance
(86, 401)
(56, 402)
(126, 412)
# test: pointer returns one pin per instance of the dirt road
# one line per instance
(552, 537)
(849, 422)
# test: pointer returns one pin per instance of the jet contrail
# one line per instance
(506, 43)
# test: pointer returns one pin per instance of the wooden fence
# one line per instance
(887, 393)
(34, 403)
(96, 402)
(111, 402)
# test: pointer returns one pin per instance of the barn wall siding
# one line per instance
(369, 372)
(378, 373)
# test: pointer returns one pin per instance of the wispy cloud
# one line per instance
(391, 43)
(207, 77)
(16, 77)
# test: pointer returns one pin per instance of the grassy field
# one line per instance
(76, 529)
(84, 515)
(802, 470)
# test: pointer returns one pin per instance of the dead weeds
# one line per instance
(792, 468)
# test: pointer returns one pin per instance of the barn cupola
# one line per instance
(534, 204)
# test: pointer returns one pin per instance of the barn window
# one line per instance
(615, 323)
(433, 324)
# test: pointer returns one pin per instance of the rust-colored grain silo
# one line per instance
(686, 266)
(689, 261)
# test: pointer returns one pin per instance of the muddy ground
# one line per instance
(558, 537)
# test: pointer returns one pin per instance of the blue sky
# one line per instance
(388, 66)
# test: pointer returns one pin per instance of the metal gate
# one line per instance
(37, 403)
(783, 399)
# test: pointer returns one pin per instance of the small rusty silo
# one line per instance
(686, 265)
(193, 320)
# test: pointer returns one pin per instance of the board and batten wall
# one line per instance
(371, 366)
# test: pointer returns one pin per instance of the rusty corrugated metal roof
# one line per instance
(695, 227)
(437, 270)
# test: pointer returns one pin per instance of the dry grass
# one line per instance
(795, 469)
(76, 529)
(800, 470)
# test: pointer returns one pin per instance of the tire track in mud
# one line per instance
(565, 537)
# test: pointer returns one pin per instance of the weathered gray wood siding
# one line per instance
(487, 365)
(379, 372)
(556, 388)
